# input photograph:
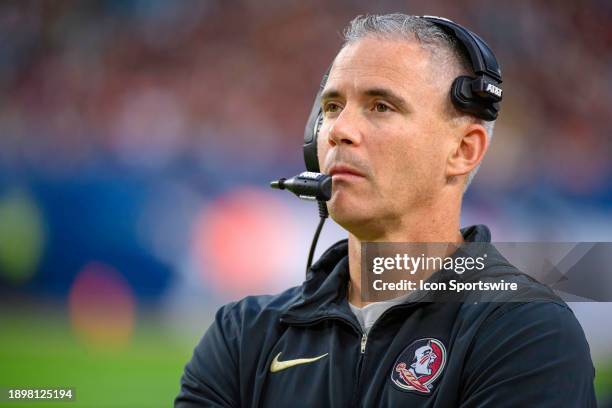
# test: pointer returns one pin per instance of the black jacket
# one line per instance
(419, 354)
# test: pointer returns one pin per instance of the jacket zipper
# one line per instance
(362, 349)
(364, 343)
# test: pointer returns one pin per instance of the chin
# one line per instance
(349, 214)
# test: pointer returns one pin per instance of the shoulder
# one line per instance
(536, 347)
(532, 312)
(502, 282)
(244, 326)
(262, 310)
(539, 318)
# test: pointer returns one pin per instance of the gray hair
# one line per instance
(444, 48)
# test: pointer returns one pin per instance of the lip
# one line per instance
(342, 170)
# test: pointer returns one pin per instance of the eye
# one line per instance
(381, 107)
(331, 107)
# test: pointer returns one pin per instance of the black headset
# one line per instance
(477, 95)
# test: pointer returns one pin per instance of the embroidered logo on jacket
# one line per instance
(419, 365)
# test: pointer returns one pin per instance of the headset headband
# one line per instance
(482, 58)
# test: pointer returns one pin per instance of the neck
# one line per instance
(428, 225)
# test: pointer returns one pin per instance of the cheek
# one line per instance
(399, 157)
(410, 163)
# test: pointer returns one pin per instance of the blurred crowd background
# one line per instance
(138, 138)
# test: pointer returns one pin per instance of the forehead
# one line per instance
(376, 62)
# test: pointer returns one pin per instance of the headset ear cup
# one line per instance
(466, 101)
(461, 92)
(311, 133)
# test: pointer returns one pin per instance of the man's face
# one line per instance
(385, 120)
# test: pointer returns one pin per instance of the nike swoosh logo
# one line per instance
(277, 365)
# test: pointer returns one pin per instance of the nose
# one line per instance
(345, 129)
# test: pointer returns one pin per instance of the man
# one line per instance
(400, 155)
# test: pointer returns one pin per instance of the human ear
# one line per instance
(468, 151)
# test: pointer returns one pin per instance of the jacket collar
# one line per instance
(324, 293)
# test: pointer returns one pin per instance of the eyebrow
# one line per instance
(384, 93)
(330, 94)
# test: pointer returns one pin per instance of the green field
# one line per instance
(45, 354)
(145, 373)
